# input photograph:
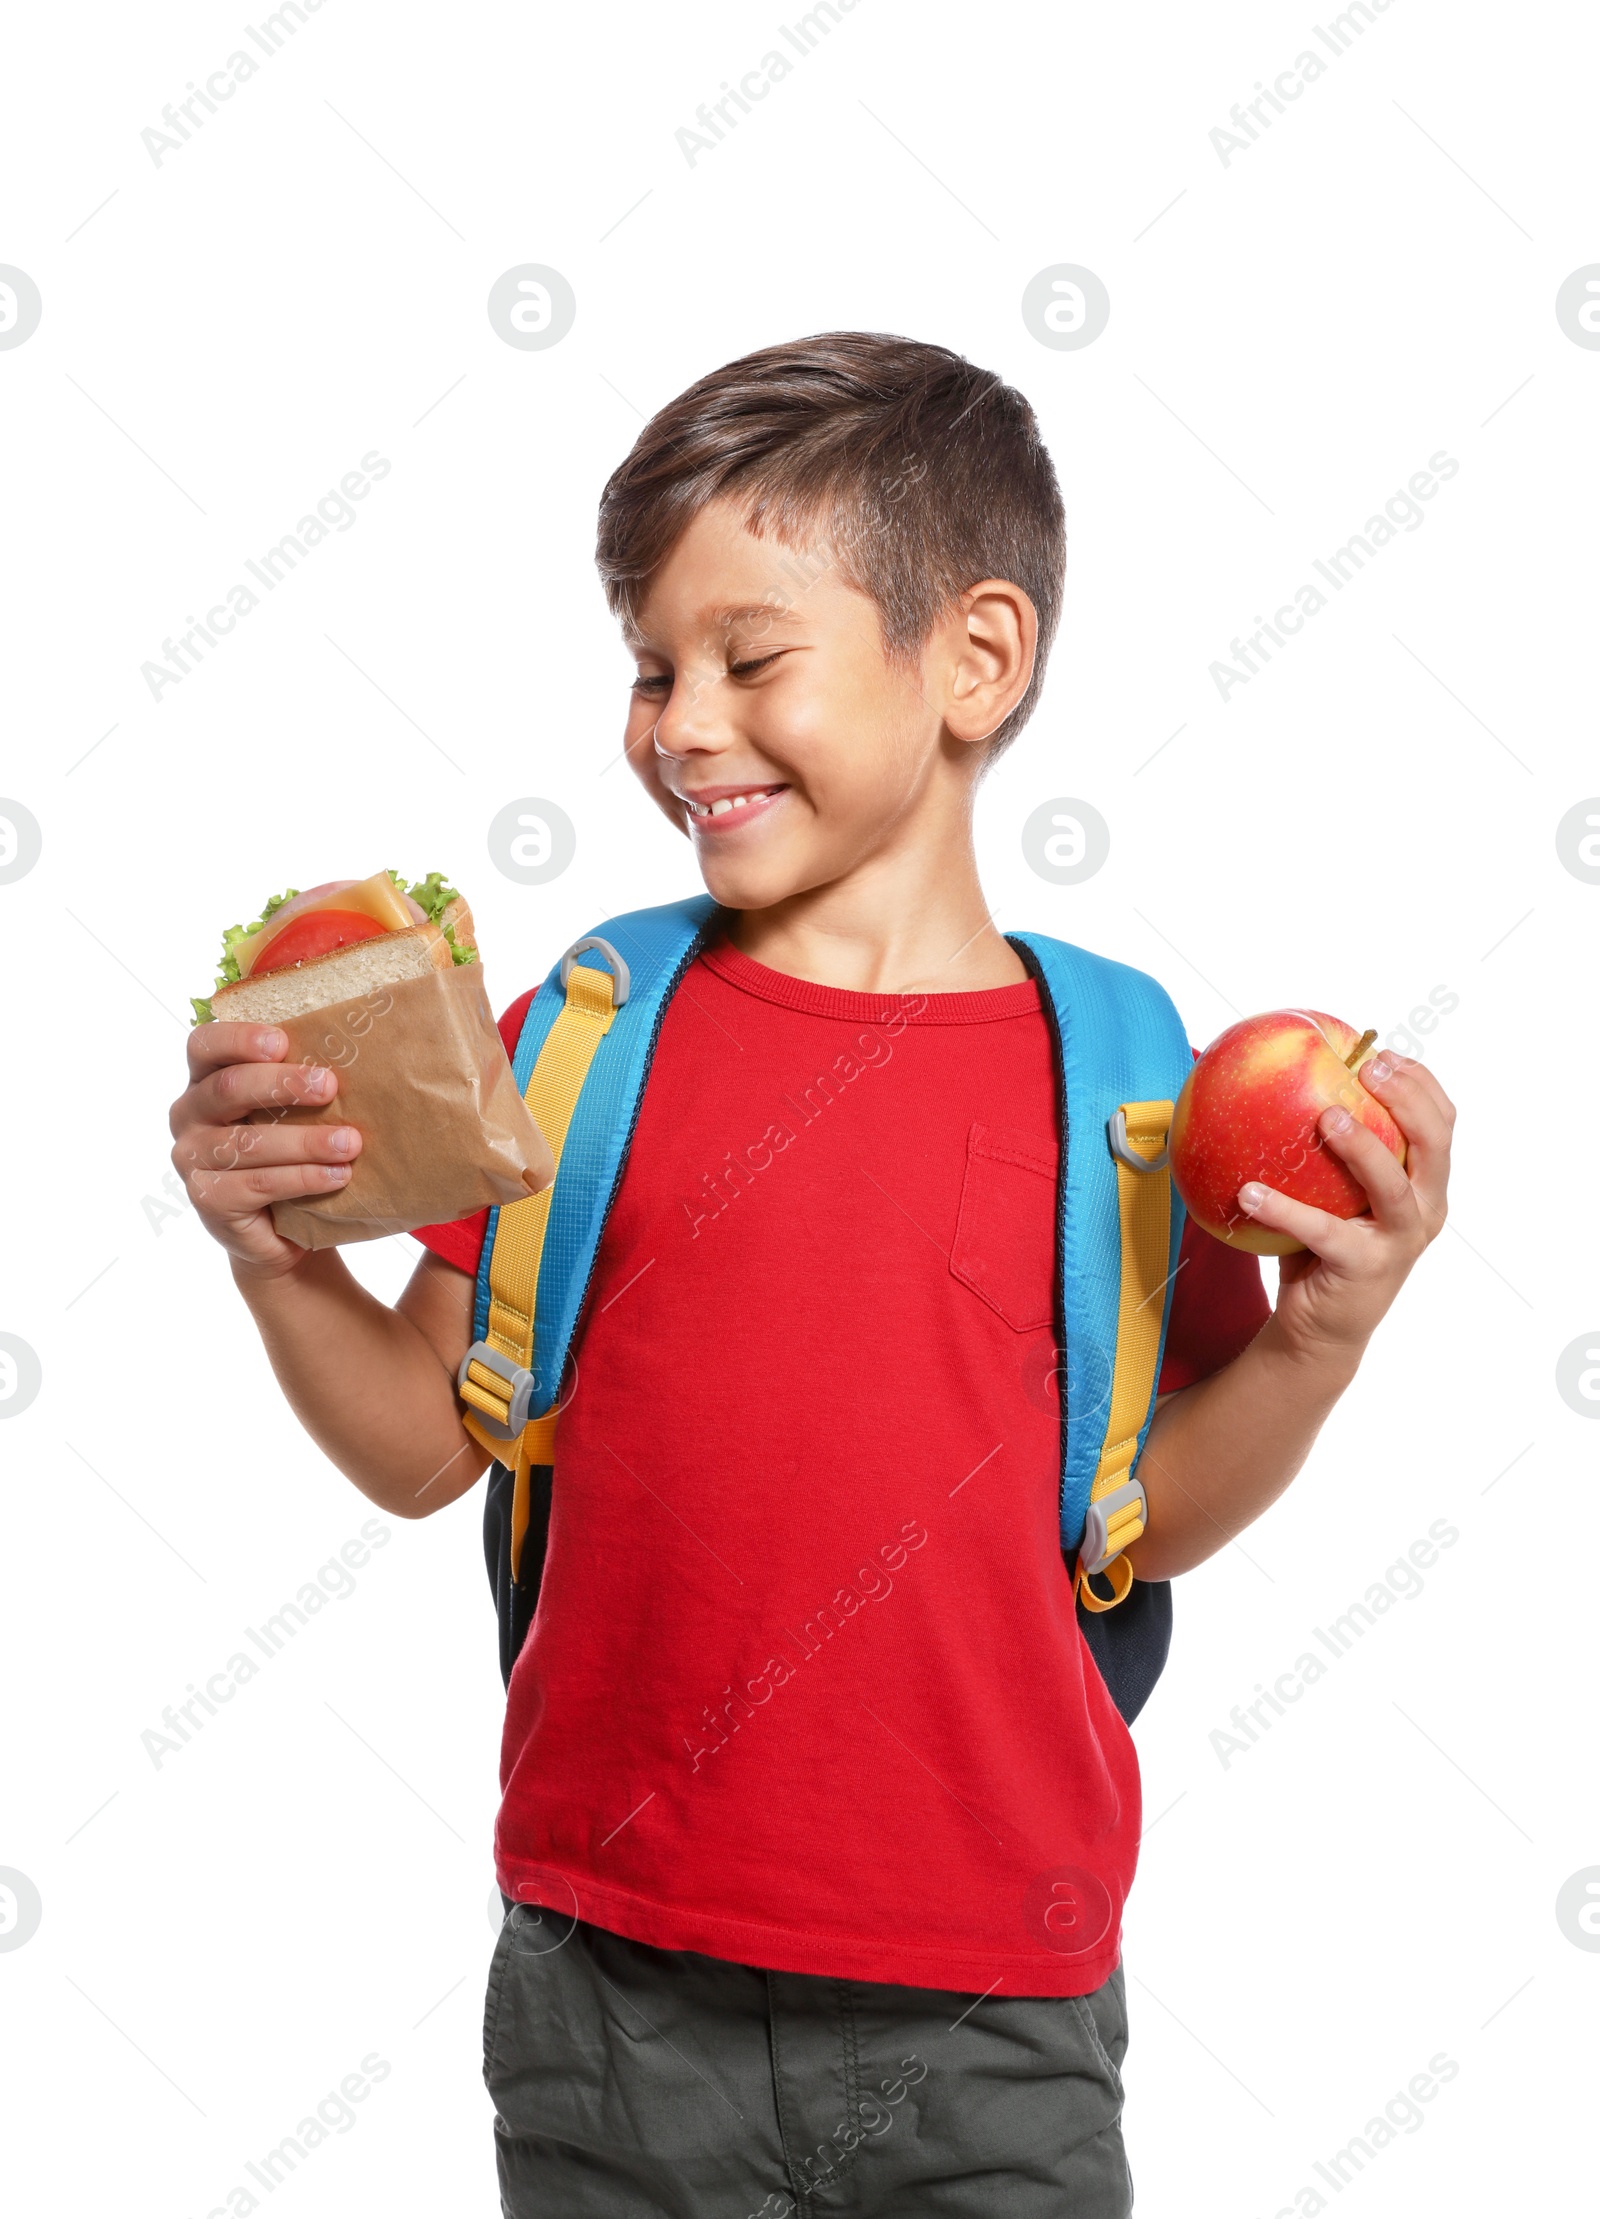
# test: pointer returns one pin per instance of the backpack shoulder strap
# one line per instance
(581, 1062)
(1124, 1056)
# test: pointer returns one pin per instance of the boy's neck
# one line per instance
(886, 928)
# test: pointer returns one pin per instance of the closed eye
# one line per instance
(653, 685)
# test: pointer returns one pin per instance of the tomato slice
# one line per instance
(314, 932)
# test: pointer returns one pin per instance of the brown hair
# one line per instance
(923, 473)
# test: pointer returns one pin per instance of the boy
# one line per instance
(818, 1815)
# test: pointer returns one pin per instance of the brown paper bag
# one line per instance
(423, 1075)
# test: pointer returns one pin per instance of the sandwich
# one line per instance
(383, 981)
(341, 939)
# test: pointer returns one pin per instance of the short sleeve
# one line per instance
(1219, 1305)
(461, 1244)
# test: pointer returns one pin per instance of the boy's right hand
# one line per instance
(234, 1170)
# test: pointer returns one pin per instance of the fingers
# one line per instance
(1389, 1191)
(1322, 1233)
(235, 1194)
(234, 1090)
(1405, 1200)
(1426, 1115)
(217, 1043)
(235, 1170)
(209, 1148)
(1413, 1097)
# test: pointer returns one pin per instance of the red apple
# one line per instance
(1249, 1110)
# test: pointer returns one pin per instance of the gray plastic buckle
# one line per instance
(1093, 1554)
(1117, 1133)
(619, 969)
(516, 1377)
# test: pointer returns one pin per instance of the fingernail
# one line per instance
(1381, 1068)
(344, 1140)
(1251, 1195)
(336, 1173)
(1334, 1119)
(270, 1045)
(319, 1080)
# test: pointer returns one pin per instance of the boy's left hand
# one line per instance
(1333, 1293)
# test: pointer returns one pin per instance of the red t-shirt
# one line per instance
(806, 1687)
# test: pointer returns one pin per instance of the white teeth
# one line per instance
(721, 807)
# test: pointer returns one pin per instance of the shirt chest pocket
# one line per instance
(1005, 1244)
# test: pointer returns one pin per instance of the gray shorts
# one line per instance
(636, 2081)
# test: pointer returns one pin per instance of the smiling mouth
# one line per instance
(726, 804)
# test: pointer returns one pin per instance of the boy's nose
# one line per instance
(696, 714)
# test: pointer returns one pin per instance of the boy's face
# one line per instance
(763, 686)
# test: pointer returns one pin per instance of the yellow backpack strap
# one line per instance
(496, 1379)
(1117, 1507)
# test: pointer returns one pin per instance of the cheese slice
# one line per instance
(377, 897)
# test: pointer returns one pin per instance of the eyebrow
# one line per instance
(726, 619)
(775, 612)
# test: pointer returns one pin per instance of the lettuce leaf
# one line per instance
(433, 896)
(228, 972)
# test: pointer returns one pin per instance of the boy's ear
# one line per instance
(986, 647)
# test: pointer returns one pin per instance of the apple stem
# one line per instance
(1361, 1047)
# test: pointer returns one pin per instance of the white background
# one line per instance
(1292, 335)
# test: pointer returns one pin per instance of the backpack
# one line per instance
(582, 1061)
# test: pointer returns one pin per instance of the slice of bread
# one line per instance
(458, 917)
(362, 968)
